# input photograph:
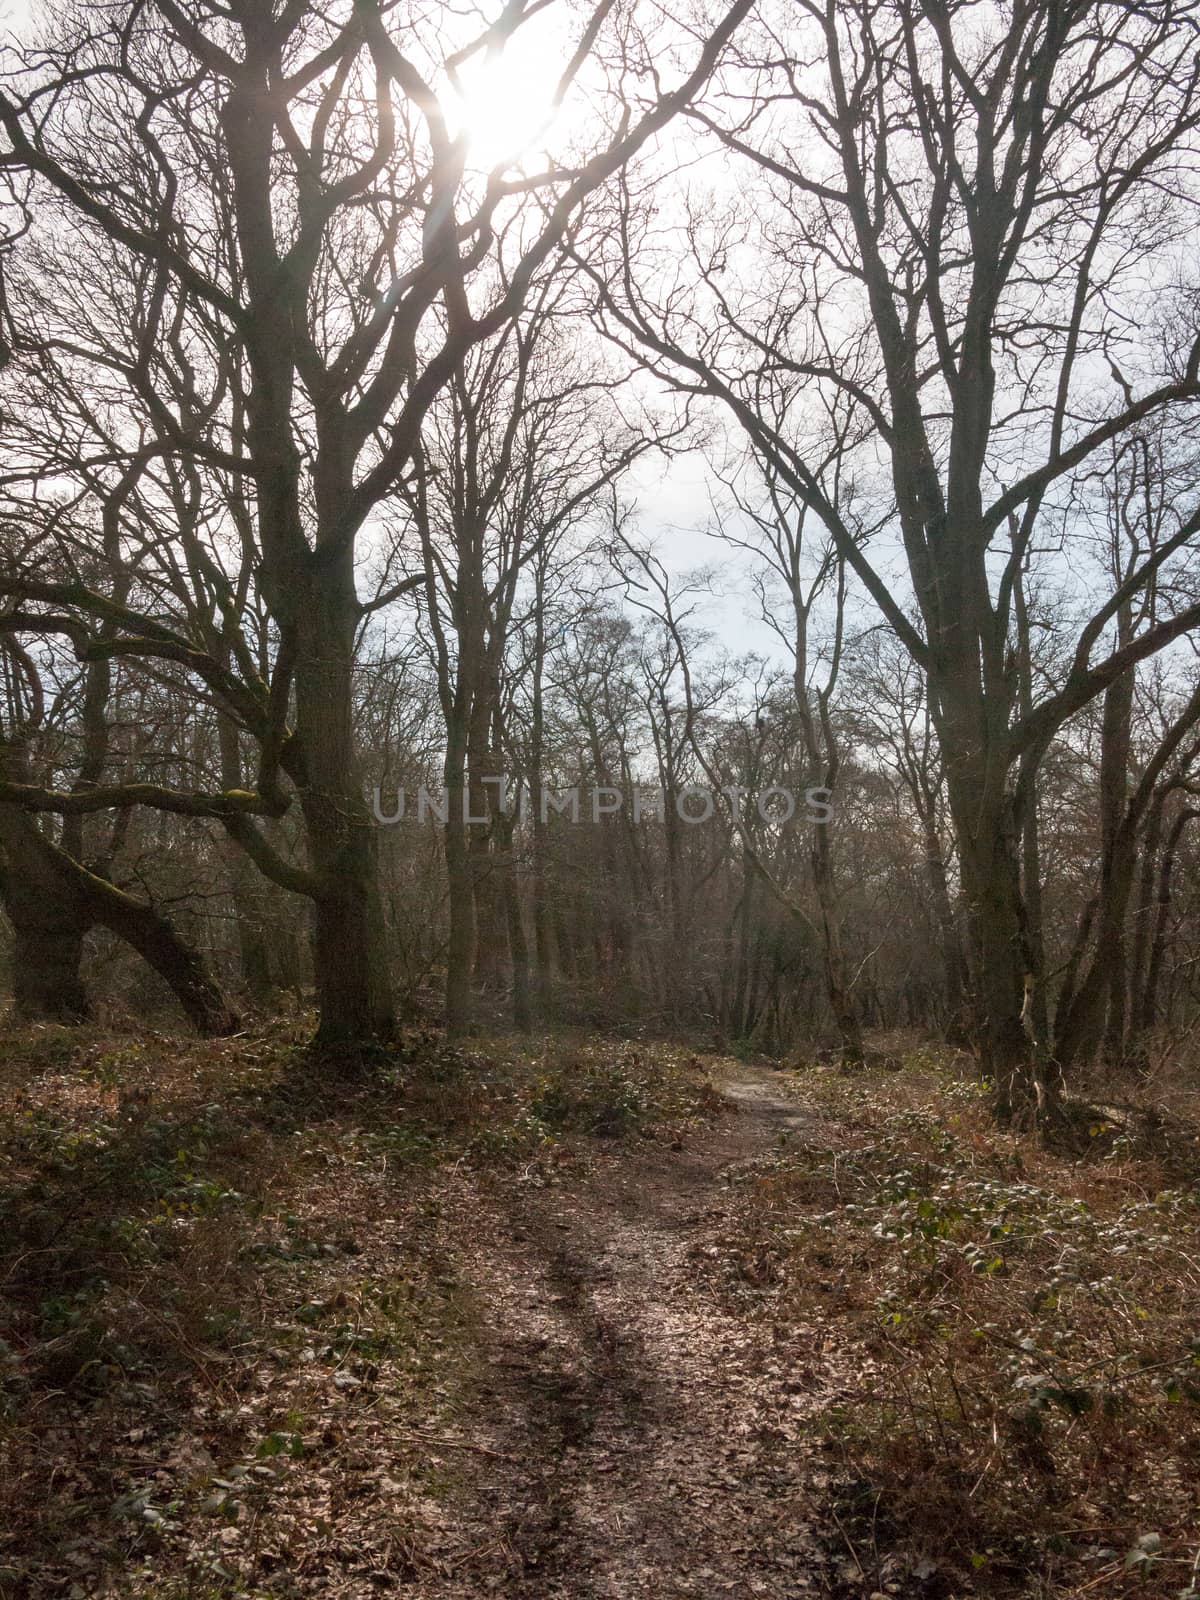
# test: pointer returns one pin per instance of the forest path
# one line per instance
(634, 1438)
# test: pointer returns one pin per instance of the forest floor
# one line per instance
(583, 1320)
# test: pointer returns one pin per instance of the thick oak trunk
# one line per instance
(353, 987)
(48, 921)
(46, 981)
(52, 901)
(47, 953)
(998, 958)
(1005, 1049)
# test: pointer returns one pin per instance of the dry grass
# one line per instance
(1026, 1414)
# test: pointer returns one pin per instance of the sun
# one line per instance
(504, 100)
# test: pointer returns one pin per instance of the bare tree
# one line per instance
(958, 212)
(777, 531)
(525, 440)
(286, 191)
(891, 717)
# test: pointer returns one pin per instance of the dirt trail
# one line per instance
(642, 1442)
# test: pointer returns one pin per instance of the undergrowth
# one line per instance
(1027, 1415)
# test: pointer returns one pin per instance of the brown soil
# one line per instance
(629, 1438)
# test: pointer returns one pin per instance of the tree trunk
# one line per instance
(147, 931)
(245, 884)
(1096, 1013)
(484, 762)
(1143, 918)
(46, 914)
(460, 950)
(518, 944)
(676, 973)
(1148, 1006)
(991, 889)
(47, 954)
(841, 1000)
(953, 974)
(49, 928)
(823, 750)
(565, 940)
(542, 931)
(1031, 849)
(52, 901)
(1122, 851)
(349, 947)
(254, 960)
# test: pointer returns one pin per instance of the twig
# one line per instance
(849, 1544)
(1103, 1577)
(456, 1444)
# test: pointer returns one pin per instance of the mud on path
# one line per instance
(631, 1438)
